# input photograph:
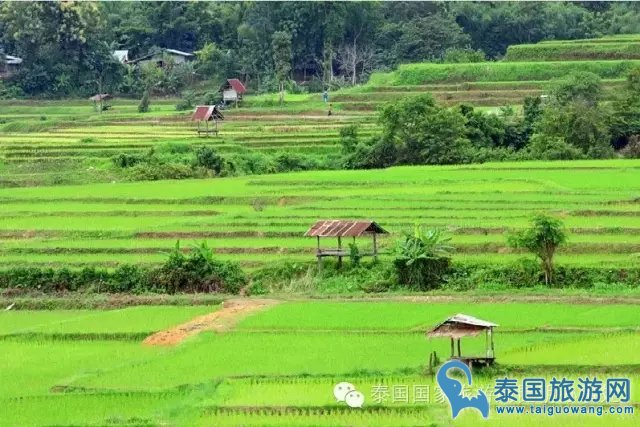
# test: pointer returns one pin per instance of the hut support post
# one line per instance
(375, 248)
(318, 255)
(490, 332)
(452, 348)
(486, 342)
(459, 353)
(339, 252)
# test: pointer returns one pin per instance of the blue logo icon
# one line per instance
(452, 389)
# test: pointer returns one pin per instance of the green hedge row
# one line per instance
(228, 278)
(382, 277)
(173, 277)
(572, 51)
(427, 73)
(527, 273)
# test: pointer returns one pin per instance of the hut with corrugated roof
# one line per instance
(462, 325)
(205, 114)
(232, 91)
(344, 228)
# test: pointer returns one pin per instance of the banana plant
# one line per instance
(422, 245)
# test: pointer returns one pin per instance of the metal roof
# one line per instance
(121, 55)
(206, 112)
(461, 325)
(341, 228)
(178, 52)
(236, 85)
(12, 60)
(100, 97)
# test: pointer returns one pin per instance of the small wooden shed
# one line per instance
(344, 228)
(232, 91)
(205, 114)
(462, 325)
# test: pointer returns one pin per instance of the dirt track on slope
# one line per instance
(221, 320)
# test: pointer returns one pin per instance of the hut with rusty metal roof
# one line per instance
(99, 101)
(232, 91)
(462, 325)
(203, 115)
(344, 228)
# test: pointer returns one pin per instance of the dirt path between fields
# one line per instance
(221, 320)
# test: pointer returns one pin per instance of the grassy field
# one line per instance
(65, 375)
(563, 50)
(260, 219)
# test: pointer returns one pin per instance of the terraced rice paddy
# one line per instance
(56, 370)
(261, 219)
(67, 142)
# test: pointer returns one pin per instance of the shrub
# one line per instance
(349, 138)
(422, 258)
(197, 272)
(187, 102)
(160, 170)
(207, 158)
(460, 56)
(543, 147)
(127, 278)
(211, 98)
(579, 86)
(292, 162)
(143, 107)
(632, 149)
(124, 160)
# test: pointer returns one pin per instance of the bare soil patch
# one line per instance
(221, 320)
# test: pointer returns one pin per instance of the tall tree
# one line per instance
(281, 46)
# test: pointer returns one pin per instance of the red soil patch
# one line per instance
(221, 320)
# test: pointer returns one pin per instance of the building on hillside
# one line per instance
(232, 91)
(9, 65)
(121, 55)
(203, 115)
(164, 58)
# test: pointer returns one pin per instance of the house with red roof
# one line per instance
(232, 91)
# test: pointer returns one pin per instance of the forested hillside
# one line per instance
(67, 47)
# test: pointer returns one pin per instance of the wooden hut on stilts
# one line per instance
(462, 325)
(205, 114)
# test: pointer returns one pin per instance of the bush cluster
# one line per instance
(455, 276)
(178, 161)
(526, 273)
(197, 271)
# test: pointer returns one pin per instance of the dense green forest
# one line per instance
(66, 46)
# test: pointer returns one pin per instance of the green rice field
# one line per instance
(260, 219)
(63, 204)
(57, 371)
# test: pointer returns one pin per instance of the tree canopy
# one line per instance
(60, 42)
